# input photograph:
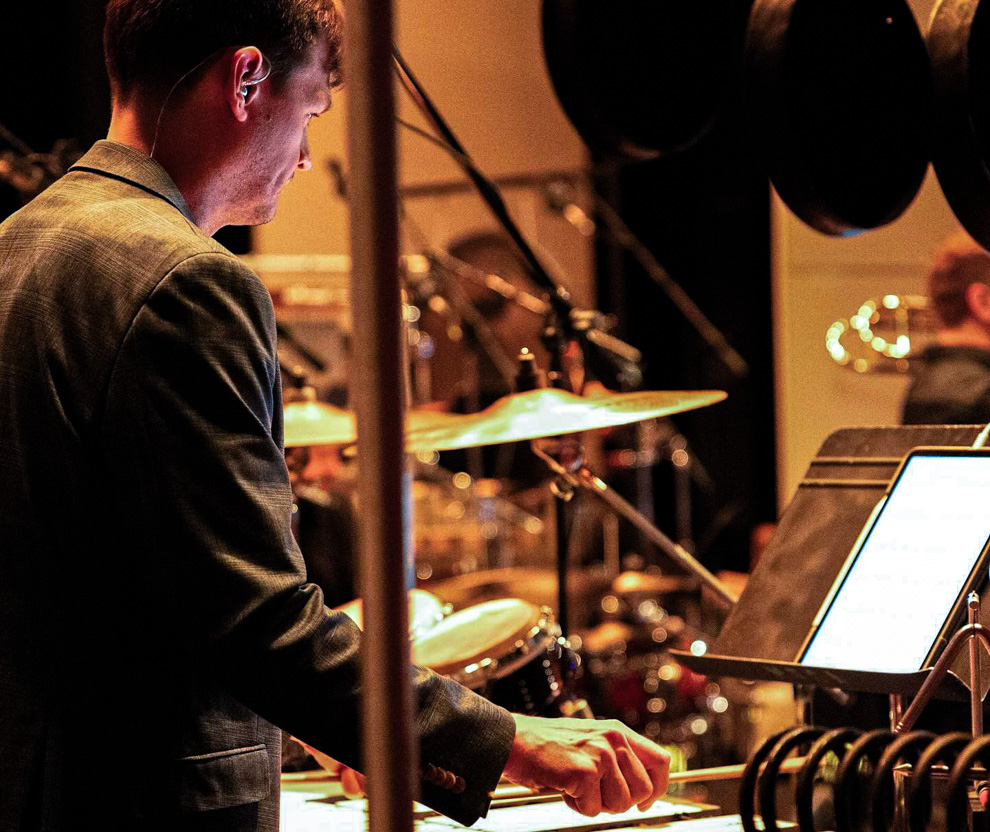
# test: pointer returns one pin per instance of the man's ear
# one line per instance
(978, 302)
(247, 69)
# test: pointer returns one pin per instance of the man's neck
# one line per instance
(126, 127)
(969, 333)
(129, 126)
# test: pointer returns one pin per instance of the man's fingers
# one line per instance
(570, 802)
(614, 789)
(589, 803)
(656, 761)
(637, 778)
(597, 765)
(583, 793)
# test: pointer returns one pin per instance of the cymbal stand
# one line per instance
(686, 471)
(583, 478)
(973, 634)
(563, 493)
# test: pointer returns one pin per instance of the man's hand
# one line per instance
(597, 765)
(351, 781)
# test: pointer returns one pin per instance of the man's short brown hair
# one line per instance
(959, 262)
(150, 44)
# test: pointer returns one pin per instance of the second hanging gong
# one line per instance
(839, 94)
(643, 79)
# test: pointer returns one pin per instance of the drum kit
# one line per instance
(494, 630)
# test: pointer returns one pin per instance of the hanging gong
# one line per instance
(958, 40)
(643, 79)
(839, 95)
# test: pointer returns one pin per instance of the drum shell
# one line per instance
(425, 612)
(507, 650)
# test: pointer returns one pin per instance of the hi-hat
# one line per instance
(547, 411)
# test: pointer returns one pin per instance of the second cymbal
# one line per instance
(535, 414)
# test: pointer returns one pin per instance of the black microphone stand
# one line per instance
(604, 356)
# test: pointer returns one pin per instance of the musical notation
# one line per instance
(910, 569)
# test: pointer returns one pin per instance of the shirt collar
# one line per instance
(131, 165)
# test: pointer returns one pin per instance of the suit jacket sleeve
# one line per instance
(192, 435)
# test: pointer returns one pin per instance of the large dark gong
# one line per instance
(839, 93)
(642, 79)
(958, 41)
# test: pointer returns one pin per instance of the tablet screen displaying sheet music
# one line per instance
(919, 555)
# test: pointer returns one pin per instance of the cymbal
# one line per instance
(316, 423)
(534, 584)
(532, 414)
(547, 411)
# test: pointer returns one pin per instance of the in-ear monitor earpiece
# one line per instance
(256, 78)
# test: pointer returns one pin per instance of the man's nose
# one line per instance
(305, 160)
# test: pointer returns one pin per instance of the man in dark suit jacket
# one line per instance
(155, 620)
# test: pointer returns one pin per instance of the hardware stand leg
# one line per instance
(975, 701)
(562, 493)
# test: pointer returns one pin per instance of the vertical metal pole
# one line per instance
(681, 460)
(390, 757)
(562, 496)
(975, 702)
(646, 448)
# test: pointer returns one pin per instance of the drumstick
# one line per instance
(699, 775)
(728, 772)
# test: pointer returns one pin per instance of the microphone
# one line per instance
(559, 198)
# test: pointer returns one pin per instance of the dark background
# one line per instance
(704, 212)
(57, 87)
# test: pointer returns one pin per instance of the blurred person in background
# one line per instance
(951, 377)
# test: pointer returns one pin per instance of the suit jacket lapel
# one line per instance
(131, 165)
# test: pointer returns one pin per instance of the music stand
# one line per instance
(765, 631)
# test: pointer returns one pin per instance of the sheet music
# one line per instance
(549, 817)
(555, 816)
(910, 569)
